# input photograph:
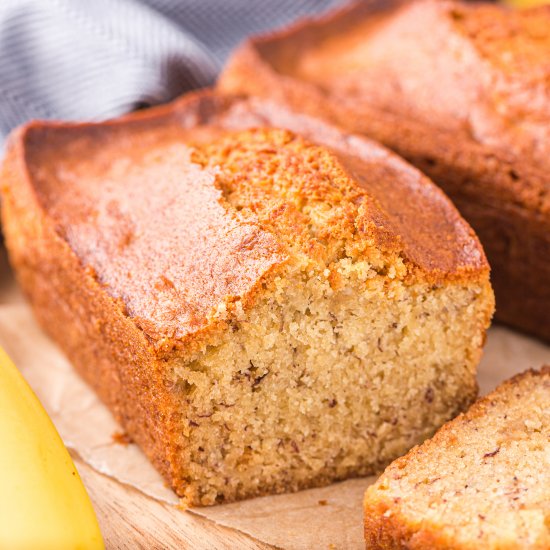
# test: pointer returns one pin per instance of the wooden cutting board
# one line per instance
(131, 520)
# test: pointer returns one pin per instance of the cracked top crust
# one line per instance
(143, 202)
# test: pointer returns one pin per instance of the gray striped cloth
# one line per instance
(95, 59)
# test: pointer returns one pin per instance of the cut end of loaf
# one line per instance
(345, 360)
(315, 384)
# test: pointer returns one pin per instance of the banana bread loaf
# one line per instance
(483, 481)
(462, 91)
(262, 311)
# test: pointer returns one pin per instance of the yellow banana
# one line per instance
(43, 503)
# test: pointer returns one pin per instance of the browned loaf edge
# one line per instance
(504, 193)
(387, 527)
(120, 354)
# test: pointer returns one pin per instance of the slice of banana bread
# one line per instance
(460, 89)
(483, 481)
(260, 312)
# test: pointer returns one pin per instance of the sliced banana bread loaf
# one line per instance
(461, 90)
(261, 312)
(483, 481)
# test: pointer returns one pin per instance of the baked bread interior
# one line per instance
(263, 312)
(483, 481)
(460, 89)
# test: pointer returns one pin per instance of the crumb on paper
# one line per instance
(122, 438)
(182, 505)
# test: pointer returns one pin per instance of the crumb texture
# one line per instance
(483, 481)
(303, 389)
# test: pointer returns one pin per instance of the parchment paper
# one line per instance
(329, 517)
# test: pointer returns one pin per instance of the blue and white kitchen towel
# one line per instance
(95, 59)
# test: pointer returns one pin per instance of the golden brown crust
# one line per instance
(171, 299)
(203, 254)
(114, 290)
(481, 133)
(389, 527)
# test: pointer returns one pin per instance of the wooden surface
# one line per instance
(131, 520)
